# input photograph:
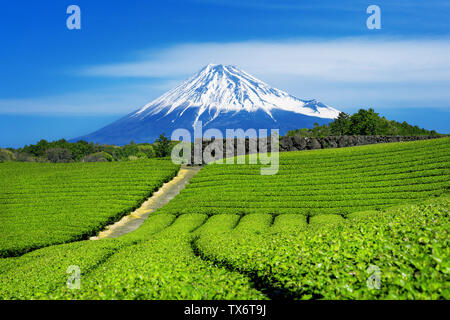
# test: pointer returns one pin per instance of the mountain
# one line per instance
(222, 97)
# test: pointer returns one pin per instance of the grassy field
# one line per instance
(43, 204)
(356, 223)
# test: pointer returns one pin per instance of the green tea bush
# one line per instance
(43, 204)
(164, 266)
(332, 181)
(407, 248)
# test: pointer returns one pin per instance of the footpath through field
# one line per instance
(160, 198)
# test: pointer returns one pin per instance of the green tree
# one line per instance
(319, 131)
(340, 126)
(162, 146)
(364, 122)
(38, 149)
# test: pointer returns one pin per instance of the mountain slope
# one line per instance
(221, 97)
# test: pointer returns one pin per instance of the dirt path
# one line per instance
(161, 197)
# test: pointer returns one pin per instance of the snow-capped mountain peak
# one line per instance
(217, 89)
(221, 97)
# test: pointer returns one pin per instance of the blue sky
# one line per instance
(63, 83)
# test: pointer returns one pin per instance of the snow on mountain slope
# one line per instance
(221, 97)
(218, 88)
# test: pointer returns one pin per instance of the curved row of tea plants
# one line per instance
(403, 253)
(332, 181)
(196, 257)
(39, 273)
(155, 262)
(43, 204)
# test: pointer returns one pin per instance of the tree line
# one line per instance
(62, 151)
(364, 123)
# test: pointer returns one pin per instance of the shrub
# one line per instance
(141, 155)
(147, 150)
(59, 155)
(98, 157)
(6, 155)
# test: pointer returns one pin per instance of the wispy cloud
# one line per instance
(344, 73)
(109, 101)
(345, 60)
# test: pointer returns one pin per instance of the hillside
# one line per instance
(365, 222)
(43, 204)
(329, 181)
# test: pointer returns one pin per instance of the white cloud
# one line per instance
(344, 60)
(346, 74)
(108, 101)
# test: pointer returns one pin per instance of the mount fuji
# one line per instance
(221, 97)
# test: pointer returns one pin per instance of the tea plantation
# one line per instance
(354, 223)
(330, 181)
(42, 204)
